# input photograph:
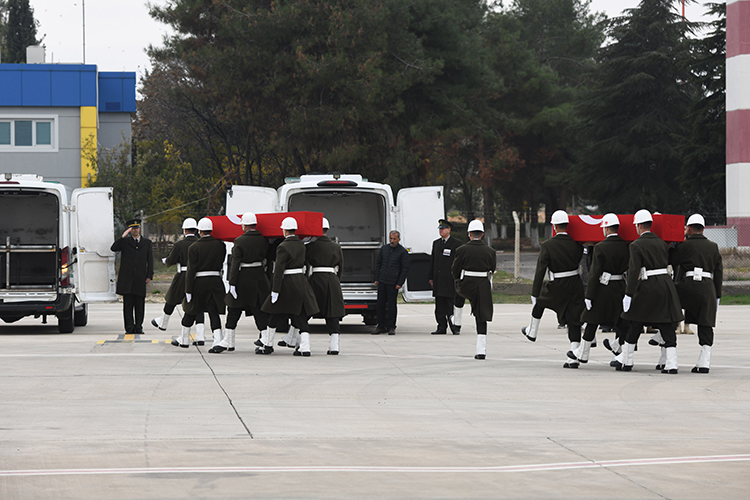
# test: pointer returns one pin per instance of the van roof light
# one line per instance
(337, 183)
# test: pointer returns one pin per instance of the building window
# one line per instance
(28, 134)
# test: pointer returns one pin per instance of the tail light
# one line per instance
(64, 269)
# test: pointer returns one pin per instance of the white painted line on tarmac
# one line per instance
(507, 468)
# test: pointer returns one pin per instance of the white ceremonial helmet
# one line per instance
(205, 224)
(642, 216)
(696, 220)
(249, 219)
(610, 220)
(289, 223)
(560, 217)
(189, 224)
(476, 225)
(326, 224)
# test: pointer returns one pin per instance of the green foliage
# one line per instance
(18, 30)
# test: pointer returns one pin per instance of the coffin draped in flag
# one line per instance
(228, 227)
(586, 228)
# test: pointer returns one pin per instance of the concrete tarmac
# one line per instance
(97, 415)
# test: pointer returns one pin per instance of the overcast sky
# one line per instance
(118, 31)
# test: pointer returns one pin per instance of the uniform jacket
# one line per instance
(179, 256)
(251, 283)
(441, 262)
(609, 256)
(325, 252)
(206, 254)
(654, 300)
(559, 254)
(698, 298)
(392, 265)
(295, 294)
(136, 265)
(475, 256)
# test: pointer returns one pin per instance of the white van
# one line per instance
(361, 214)
(54, 254)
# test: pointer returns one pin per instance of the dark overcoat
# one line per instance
(441, 261)
(251, 283)
(179, 256)
(392, 265)
(609, 256)
(475, 256)
(559, 254)
(206, 254)
(698, 298)
(136, 265)
(295, 294)
(654, 300)
(325, 252)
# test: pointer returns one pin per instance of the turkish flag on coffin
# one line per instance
(228, 227)
(586, 228)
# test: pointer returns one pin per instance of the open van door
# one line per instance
(256, 199)
(92, 225)
(419, 210)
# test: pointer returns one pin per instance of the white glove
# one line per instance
(188, 296)
(717, 303)
(533, 300)
(274, 297)
(233, 291)
(588, 304)
(626, 303)
(164, 260)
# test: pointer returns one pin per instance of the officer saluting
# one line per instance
(291, 295)
(326, 262)
(441, 280)
(698, 263)
(474, 264)
(136, 270)
(248, 282)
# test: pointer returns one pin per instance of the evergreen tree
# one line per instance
(20, 31)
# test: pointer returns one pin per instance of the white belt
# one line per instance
(204, 274)
(564, 274)
(181, 269)
(646, 274)
(605, 278)
(300, 270)
(698, 274)
(251, 264)
(474, 274)
(324, 270)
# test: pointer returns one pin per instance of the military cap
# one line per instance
(444, 224)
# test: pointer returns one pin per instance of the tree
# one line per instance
(635, 113)
(20, 31)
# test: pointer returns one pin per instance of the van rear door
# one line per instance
(256, 199)
(92, 225)
(419, 210)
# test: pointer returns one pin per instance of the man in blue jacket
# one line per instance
(391, 270)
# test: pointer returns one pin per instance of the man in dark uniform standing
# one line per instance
(204, 289)
(472, 271)
(326, 265)
(248, 282)
(391, 270)
(441, 279)
(176, 293)
(291, 295)
(563, 293)
(650, 296)
(605, 289)
(136, 271)
(698, 262)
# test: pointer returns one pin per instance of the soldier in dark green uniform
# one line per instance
(291, 295)
(472, 271)
(605, 289)
(441, 280)
(248, 282)
(176, 293)
(204, 289)
(325, 261)
(563, 293)
(698, 263)
(650, 295)
(136, 270)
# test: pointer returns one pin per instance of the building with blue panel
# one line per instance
(54, 118)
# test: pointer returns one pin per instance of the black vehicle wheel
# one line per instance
(81, 316)
(370, 319)
(65, 320)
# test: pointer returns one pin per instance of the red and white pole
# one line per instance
(738, 118)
